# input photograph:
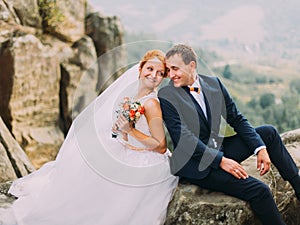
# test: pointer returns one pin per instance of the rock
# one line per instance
(13, 161)
(42, 72)
(6, 168)
(199, 206)
(194, 205)
(18, 18)
(28, 12)
(79, 77)
(7, 12)
(6, 200)
(292, 142)
(4, 187)
(106, 31)
(49, 69)
(291, 137)
(64, 19)
(112, 58)
(30, 107)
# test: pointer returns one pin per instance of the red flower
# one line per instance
(141, 110)
(131, 113)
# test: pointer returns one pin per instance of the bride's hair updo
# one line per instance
(153, 54)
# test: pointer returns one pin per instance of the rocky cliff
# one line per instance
(194, 205)
(190, 204)
(51, 68)
(55, 57)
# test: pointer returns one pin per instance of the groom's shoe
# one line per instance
(295, 182)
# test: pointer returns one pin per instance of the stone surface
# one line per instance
(291, 137)
(48, 75)
(6, 169)
(6, 200)
(27, 12)
(64, 19)
(13, 161)
(7, 12)
(194, 205)
(79, 77)
(31, 79)
(36, 94)
(111, 57)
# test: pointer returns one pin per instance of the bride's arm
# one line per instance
(157, 140)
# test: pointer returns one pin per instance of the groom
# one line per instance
(192, 107)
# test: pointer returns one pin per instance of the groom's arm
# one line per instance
(239, 123)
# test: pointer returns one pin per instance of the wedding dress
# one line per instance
(96, 179)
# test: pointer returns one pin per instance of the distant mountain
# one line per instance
(257, 41)
(253, 28)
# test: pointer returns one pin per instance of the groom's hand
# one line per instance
(263, 161)
(234, 168)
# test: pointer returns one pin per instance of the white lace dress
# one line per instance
(72, 191)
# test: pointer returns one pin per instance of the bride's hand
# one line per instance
(115, 129)
(123, 125)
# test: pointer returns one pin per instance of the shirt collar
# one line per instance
(196, 82)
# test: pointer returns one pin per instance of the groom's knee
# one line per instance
(267, 132)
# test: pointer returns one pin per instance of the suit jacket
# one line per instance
(196, 140)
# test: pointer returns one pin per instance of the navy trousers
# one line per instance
(251, 189)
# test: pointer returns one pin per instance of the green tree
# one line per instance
(51, 14)
(267, 100)
(252, 103)
(295, 85)
(261, 80)
(227, 73)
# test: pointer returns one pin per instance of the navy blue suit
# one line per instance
(198, 147)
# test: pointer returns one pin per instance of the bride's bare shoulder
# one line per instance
(152, 105)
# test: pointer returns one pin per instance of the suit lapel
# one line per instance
(207, 97)
(208, 111)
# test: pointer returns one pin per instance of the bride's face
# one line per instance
(152, 73)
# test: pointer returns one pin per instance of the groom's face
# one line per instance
(180, 73)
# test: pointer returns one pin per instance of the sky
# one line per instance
(183, 21)
(211, 24)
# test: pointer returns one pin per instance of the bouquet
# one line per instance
(132, 111)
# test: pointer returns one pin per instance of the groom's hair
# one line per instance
(186, 52)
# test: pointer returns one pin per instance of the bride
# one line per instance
(98, 179)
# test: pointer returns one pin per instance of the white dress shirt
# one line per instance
(199, 97)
